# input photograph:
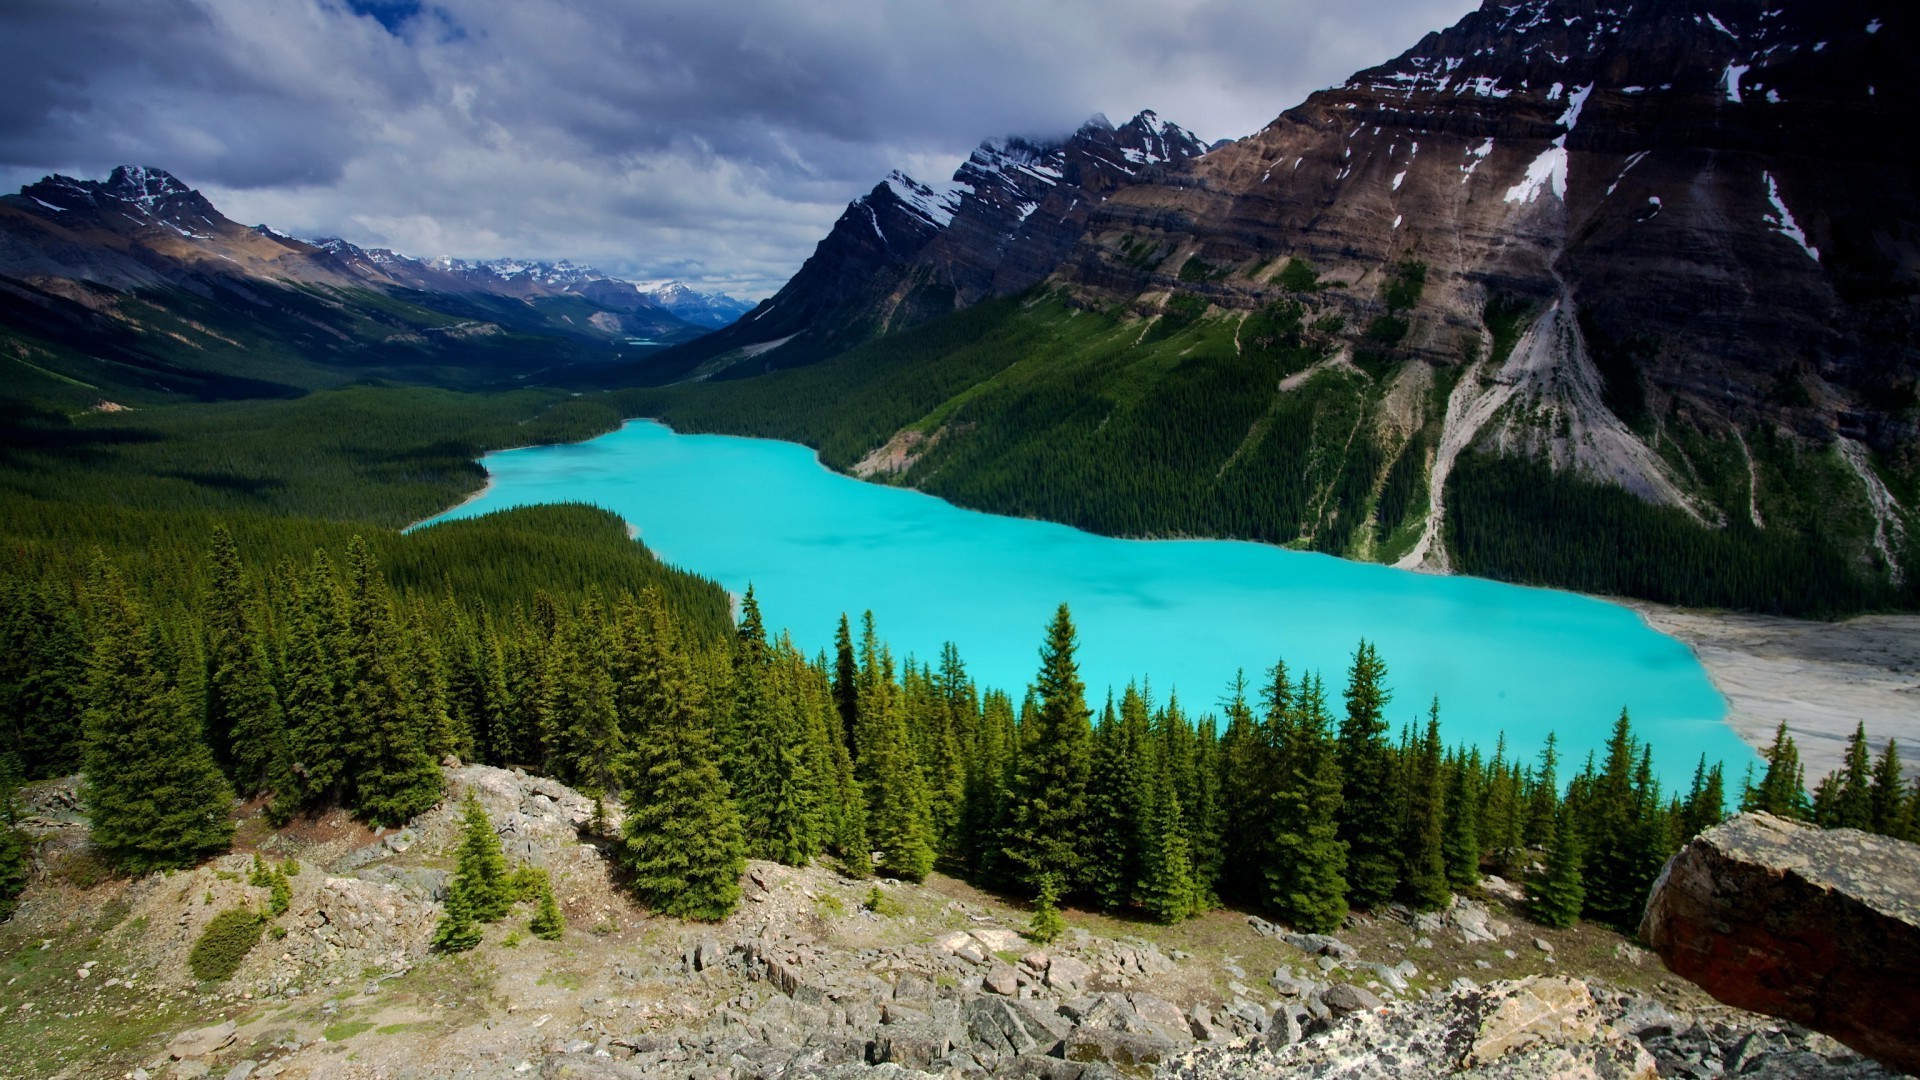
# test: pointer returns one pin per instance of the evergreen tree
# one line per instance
(480, 871)
(1611, 821)
(897, 821)
(43, 673)
(14, 844)
(547, 923)
(989, 779)
(1462, 846)
(1558, 895)
(1853, 804)
(1118, 797)
(586, 703)
(1543, 795)
(1047, 806)
(846, 682)
(1046, 924)
(154, 795)
(1706, 804)
(314, 694)
(681, 840)
(1369, 821)
(1783, 788)
(1306, 860)
(1246, 785)
(1168, 890)
(1885, 805)
(393, 776)
(1423, 833)
(243, 721)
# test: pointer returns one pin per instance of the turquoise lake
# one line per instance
(1181, 614)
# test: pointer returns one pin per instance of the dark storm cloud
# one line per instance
(714, 140)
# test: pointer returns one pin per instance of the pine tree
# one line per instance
(1543, 795)
(314, 694)
(393, 776)
(1706, 803)
(1306, 860)
(1047, 923)
(1368, 818)
(1613, 826)
(480, 872)
(1557, 896)
(1168, 890)
(1423, 834)
(1246, 786)
(1853, 805)
(43, 674)
(846, 683)
(155, 798)
(1888, 792)
(1047, 806)
(547, 923)
(1117, 798)
(681, 840)
(243, 724)
(1461, 847)
(898, 825)
(989, 779)
(1783, 787)
(14, 844)
(585, 702)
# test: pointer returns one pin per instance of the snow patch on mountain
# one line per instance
(1781, 220)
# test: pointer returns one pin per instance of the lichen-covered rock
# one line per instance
(1821, 927)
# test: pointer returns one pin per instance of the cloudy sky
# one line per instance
(711, 140)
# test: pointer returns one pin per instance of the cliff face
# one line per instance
(1821, 927)
(908, 252)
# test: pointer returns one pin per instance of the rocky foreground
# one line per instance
(816, 974)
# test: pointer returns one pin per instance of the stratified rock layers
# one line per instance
(1821, 927)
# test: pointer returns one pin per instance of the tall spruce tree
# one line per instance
(314, 686)
(846, 682)
(1853, 802)
(1885, 804)
(898, 825)
(1246, 790)
(244, 725)
(1168, 890)
(1462, 846)
(1782, 791)
(1306, 860)
(154, 795)
(393, 776)
(1369, 820)
(1118, 799)
(43, 673)
(1047, 806)
(1706, 803)
(1557, 895)
(586, 702)
(681, 840)
(1423, 832)
(480, 891)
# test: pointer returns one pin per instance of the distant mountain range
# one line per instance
(1621, 296)
(138, 286)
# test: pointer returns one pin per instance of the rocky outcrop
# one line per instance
(1821, 927)
(1538, 1027)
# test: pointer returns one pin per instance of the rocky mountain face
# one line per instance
(1560, 251)
(907, 252)
(138, 285)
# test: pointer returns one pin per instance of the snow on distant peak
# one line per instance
(936, 205)
(1781, 220)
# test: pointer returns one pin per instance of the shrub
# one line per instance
(226, 942)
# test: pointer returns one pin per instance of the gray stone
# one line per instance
(1066, 974)
(1000, 979)
(1122, 1048)
(1011, 1028)
(202, 1041)
(1343, 998)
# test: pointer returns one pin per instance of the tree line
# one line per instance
(316, 684)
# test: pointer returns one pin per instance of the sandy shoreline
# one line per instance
(481, 494)
(1821, 678)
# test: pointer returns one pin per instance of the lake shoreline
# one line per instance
(1822, 678)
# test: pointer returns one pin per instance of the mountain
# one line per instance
(1621, 297)
(907, 252)
(137, 287)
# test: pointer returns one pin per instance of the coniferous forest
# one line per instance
(327, 681)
